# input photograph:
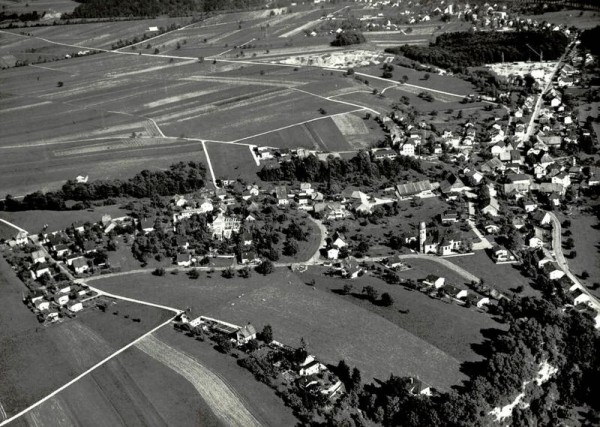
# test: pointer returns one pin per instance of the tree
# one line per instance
(290, 247)
(159, 271)
(193, 274)
(244, 272)
(266, 334)
(386, 300)
(228, 273)
(370, 292)
(265, 267)
(224, 344)
(404, 79)
(347, 289)
(426, 76)
(585, 275)
(350, 37)
(60, 84)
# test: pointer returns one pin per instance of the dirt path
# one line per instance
(220, 398)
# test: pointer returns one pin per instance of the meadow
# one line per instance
(333, 327)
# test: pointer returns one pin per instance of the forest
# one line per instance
(459, 50)
(179, 178)
(359, 170)
(153, 8)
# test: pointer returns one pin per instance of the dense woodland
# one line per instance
(589, 39)
(179, 178)
(360, 170)
(137, 8)
(459, 50)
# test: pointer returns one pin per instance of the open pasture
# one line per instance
(295, 310)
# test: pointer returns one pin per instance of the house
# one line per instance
(42, 304)
(418, 387)
(537, 240)
(89, 247)
(38, 257)
(554, 199)
(51, 315)
(452, 186)
(62, 250)
(333, 253)
(394, 262)
(245, 334)
(562, 178)
(455, 292)
(75, 306)
(529, 205)
(179, 201)
(385, 153)
(246, 238)
(61, 299)
(281, 193)
(40, 269)
(249, 257)
(580, 297)
(351, 269)
(490, 207)
(21, 237)
(491, 228)
(553, 271)
(338, 240)
(183, 260)
(541, 217)
(501, 254)
(493, 165)
(224, 226)
(408, 149)
(79, 265)
(435, 281)
(449, 217)
(310, 366)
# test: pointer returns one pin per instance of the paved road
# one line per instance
(483, 242)
(562, 262)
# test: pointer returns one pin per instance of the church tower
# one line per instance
(422, 237)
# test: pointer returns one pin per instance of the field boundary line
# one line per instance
(137, 301)
(88, 371)
(13, 225)
(292, 125)
(335, 100)
(210, 168)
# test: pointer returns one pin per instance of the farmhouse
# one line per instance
(38, 257)
(310, 366)
(183, 260)
(245, 334)
(420, 189)
(435, 281)
(281, 192)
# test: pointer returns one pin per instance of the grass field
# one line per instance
(7, 232)
(21, 6)
(501, 277)
(34, 221)
(295, 310)
(450, 327)
(232, 162)
(586, 236)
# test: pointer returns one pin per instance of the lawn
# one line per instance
(7, 232)
(327, 135)
(334, 328)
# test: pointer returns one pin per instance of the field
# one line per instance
(327, 322)
(150, 105)
(34, 221)
(232, 162)
(505, 278)
(451, 328)
(7, 232)
(586, 235)
(23, 6)
(68, 348)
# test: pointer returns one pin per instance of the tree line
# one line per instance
(459, 50)
(359, 169)
(135, 8)
(179, 178)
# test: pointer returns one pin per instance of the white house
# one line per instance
(75, 306)
(435, 281)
